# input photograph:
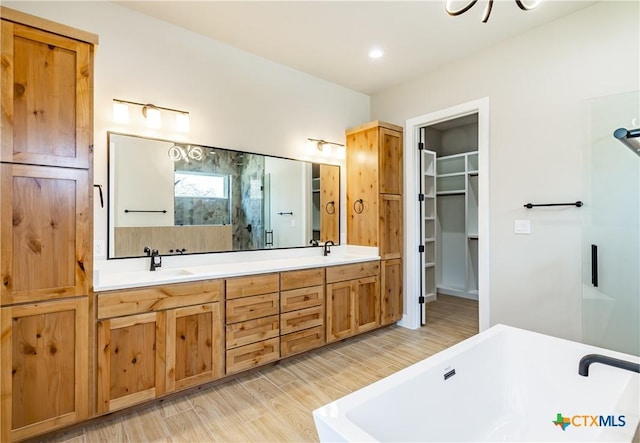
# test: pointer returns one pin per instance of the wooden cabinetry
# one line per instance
(47, 93)
(374, 202)
(44, 380)
(157, 339)
(194, 345)
(46, 120)
(353, 299)
(252, 321)
(131, 353)
(301, 310)
(44, 233)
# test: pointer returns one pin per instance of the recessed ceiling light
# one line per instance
(376, 53)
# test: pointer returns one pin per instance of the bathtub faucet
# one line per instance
(587, 360)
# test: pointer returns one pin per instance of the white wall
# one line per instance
(236, 100)
(538, 85)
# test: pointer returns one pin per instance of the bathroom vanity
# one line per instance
(163, 331)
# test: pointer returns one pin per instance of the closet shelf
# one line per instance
(473, 236)
(445, 193)
(429, 265)
(450, 174)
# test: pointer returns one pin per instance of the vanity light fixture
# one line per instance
(151, 113)
(120, 112)
(525, 6)
(153, 117)
(326, 148)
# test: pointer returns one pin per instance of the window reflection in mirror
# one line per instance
(175, 196)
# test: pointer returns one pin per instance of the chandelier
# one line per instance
(487, 10)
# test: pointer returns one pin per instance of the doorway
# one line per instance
(423, 276)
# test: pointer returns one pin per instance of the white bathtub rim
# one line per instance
(334, 414)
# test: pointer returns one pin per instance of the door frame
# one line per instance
(411, 316)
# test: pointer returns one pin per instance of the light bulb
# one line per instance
(120, 113)
(154, 120)
(182, 122)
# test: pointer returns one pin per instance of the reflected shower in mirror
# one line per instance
(183, 198)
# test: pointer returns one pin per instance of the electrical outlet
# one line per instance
(293, 223)
(98, 248)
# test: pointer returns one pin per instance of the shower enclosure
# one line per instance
(611, 228)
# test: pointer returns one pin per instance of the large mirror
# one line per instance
(181, 198)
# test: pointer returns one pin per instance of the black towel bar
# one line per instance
(577, 204)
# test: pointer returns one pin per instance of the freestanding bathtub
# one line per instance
(504, 384)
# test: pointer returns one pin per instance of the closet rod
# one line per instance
(577, 204)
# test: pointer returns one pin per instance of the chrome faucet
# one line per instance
(327, 247)
(588, 360)
(156, 260)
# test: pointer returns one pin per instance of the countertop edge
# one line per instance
(222, 275)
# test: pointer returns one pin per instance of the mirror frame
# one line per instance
(110, 179)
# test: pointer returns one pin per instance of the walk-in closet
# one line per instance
(449, 208)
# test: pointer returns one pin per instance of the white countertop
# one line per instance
(123, 274)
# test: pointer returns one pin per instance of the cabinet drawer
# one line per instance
(301, 279)
(252, 285)
(251, 331)
(248, 308)
(297, 342)
(301, 298)
(255, 354)
(350, 272)
(158, 298)
(302, 319)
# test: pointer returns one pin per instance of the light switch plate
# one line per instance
(522, 226)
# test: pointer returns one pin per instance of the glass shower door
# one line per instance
(611, 228)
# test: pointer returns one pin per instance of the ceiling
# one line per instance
(331, 39)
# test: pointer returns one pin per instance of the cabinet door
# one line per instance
(390, 157)
(131, 355)
(44, 233)
(391, 292)
(340, 319)
(45, 357)
(362, 187)
(390, 226)
(366, 304)
(46, 98)
(195, 353)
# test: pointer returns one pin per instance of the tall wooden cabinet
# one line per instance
(46, 225)
(374, 205)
